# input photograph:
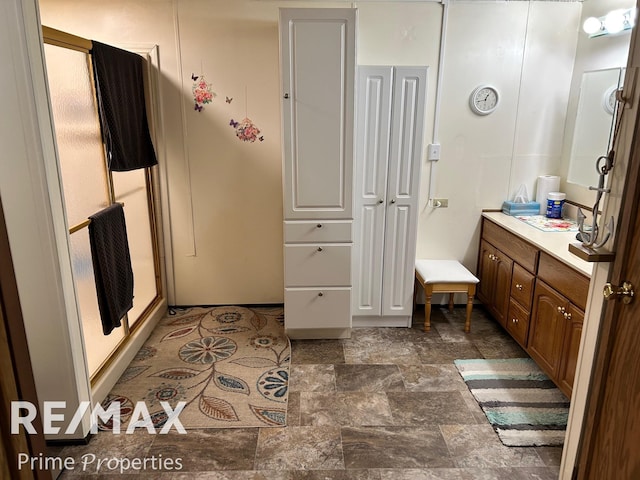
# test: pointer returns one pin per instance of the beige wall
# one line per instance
(225, 201)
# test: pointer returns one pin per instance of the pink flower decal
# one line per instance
(202, 93)
(246, 130)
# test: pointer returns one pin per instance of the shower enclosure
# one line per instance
(88, 187)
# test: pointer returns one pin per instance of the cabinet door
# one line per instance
(546, 332)
(573, 333)
(407, 132)
(502, 288)
(486, 274)
(373, 124)
(318, 67)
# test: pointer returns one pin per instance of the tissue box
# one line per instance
(513, 208)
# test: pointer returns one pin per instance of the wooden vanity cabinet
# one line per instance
(538, 299)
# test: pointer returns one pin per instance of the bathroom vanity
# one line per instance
(536, 290)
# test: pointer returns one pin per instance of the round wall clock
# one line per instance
(484, 100)
(609, 99)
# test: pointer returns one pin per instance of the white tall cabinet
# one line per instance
(389, 149)
(318, 77)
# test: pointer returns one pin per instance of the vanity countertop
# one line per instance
(555, 244)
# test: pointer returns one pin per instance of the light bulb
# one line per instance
(614, 21)
(592, 25)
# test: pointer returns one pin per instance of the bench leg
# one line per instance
(470, 294)
(428, 293)
(451, 302)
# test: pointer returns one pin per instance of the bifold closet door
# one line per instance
(403, 189)
(373, 119)
(389, 139)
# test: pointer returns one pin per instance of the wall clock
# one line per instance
(484, 100)
(609, 99)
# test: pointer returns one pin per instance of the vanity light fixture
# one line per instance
(615, 21)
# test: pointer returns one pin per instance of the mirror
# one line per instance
(594, 123)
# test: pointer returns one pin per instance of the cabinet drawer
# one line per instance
(518, 323)
(317, 231)
(522, 283)
(317, 265)
(516, 248)
(317, 308)
(564, 279)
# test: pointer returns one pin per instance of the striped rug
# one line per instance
(522, 404)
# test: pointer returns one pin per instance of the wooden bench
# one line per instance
(445, 276)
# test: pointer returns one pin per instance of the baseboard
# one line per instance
(317, 333)
(381, 321)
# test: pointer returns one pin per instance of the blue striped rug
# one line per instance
(522, 404)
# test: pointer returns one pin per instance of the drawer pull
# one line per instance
(567, 316)
(319, 249)
(514, 321)
(519, 286)
(561, 310)
(319, 225)
(320, 294)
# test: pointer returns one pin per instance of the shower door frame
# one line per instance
(65, 40)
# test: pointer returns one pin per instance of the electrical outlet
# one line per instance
(433, 152)
(440, 202)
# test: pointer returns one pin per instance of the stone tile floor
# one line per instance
(387, 403)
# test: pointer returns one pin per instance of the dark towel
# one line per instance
(123, 116)
(111, 265)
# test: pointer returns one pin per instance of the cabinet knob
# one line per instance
(319, 225)
(519, 286)
(393, 200)
(286, 95)
(319, 249)
(492, 257)
(561, 310)
(567, 316)
(320, 294)
(514, 321)
(381, 200)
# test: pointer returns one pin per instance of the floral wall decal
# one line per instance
(202, 92)
(246, 130)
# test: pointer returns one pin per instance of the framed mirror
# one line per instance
(594, 123)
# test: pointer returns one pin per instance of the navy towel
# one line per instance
(123, 116)
(111, 265)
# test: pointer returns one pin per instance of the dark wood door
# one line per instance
(611, 431)
(546, 331)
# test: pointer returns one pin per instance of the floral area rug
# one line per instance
(229, 364)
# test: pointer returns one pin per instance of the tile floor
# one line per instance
(387, 403)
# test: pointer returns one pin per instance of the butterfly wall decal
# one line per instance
(194, 77)
(233, 123)
(229, 99)
(261, 138)
(197, 107)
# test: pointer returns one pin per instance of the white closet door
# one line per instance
(403, 189)
(373, 118)
(318, 68)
